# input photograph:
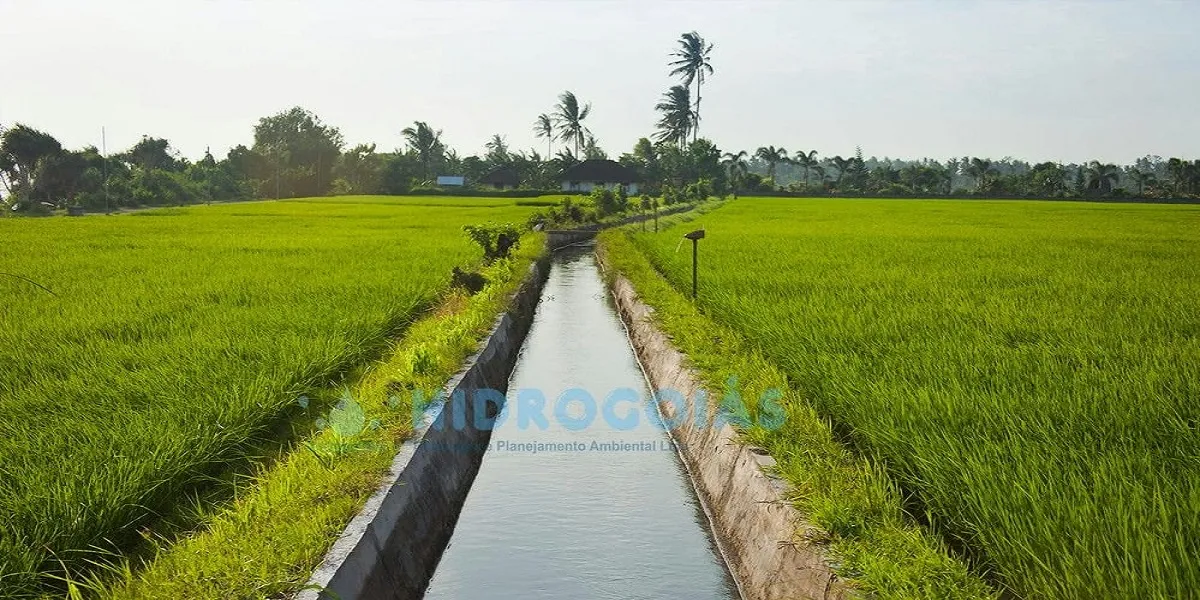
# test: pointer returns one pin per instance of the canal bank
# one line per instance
(581, 494)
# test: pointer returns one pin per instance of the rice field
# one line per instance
(158, 348)
(1027, 371)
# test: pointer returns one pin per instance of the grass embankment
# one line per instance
(1027, 371)
(173, 351)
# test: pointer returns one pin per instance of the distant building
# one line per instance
(502, 178)
(451, 180)
(593, 173)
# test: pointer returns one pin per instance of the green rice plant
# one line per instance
(1025, 372)
(267, 541)
(173, 349)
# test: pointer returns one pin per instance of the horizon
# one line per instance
(872, 75)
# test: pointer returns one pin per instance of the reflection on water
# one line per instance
(572, 511)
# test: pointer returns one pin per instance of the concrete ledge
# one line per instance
(391, 548)
(754, 526)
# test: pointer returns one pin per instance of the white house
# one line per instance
(593, 173)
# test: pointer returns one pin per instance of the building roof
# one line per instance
(501, 176)
(600, 170)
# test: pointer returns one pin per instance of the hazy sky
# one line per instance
(1039, 80)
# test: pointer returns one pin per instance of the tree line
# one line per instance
(295, 154)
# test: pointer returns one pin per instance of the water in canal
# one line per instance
(598, 509)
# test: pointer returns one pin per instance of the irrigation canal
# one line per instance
(599, 510)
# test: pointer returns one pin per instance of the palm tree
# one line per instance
(1102, 178)
(427, 143)
(980, 169)
(569, 116)
(737, 167)
(842, 165)
(678, 118)
(807, 161)
(497, 150)
(772, 156)
(591, 149)
(543, 127)
(819, 171)
(692, 65)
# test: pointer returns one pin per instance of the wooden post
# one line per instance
(695, 244)
(695, 236)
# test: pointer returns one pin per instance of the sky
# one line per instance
(1031, 79)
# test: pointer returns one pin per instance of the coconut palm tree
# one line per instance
(772, 156)
(819, 171)
(543, 127)
(842, 165)
(497, 153)
(691, 64)
(427, 143)
(591, 149)
(805, 160)
(981, 169)
(1101, 177)
(569, 116)
(737, 167)
(678, 118)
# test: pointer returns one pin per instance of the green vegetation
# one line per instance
(1026, 371)
(173, 345)
(857, 509)
(267, 542)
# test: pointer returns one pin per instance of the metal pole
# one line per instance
(104, 167)
(695, 244)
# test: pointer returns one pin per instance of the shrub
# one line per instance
(497, 241)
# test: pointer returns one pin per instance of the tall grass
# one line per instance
(1029, 371)
(174, 341)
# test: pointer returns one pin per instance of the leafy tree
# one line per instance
(1047, 179)
(1185, 175)
(496, 240)
(772, 156)
(153, 153)
(22, 149)
(543, 127)
(703, 163)
(360, 170)
(59, 176)
(1143, 179)
(569, 117)
(426, 144)
(678, 118)
(399, 171)
(300, 150)
(692, 64)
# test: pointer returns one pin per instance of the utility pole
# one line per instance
(104, 168)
